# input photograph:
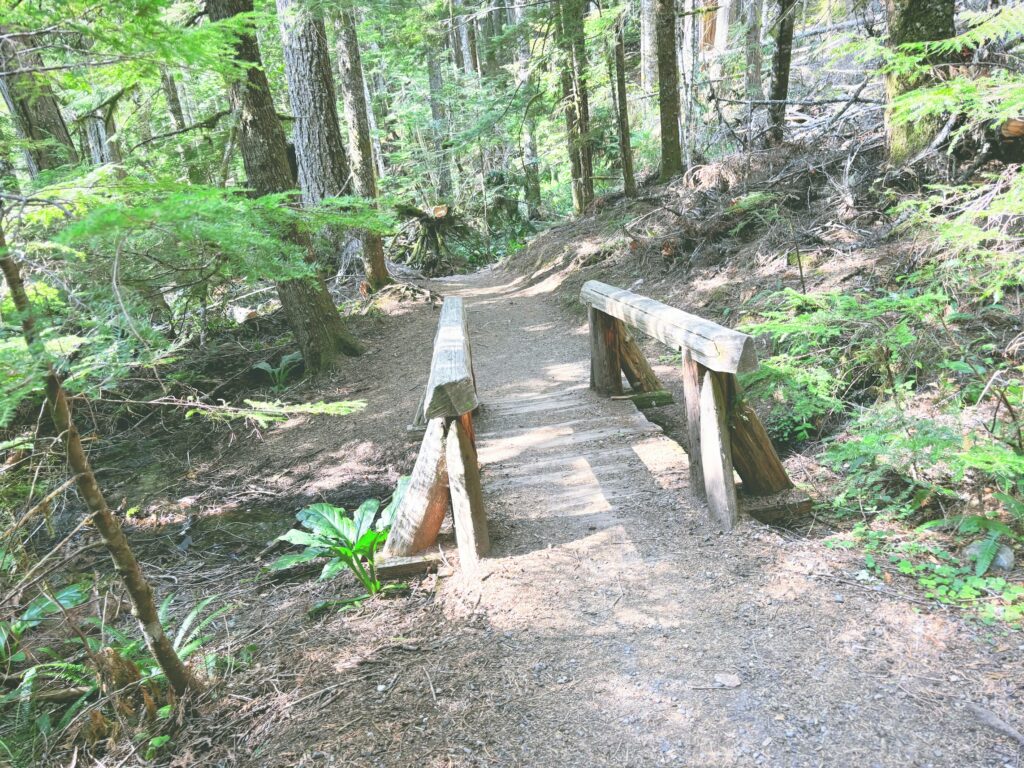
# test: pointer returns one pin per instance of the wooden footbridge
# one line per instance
(553, 442)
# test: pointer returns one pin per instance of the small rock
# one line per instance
(839, 599)
(1003, 560)
(727, 680)
(381, 688)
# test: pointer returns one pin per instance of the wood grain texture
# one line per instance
(451, 388)
(754, 456)
(605, 374)
(715, 346)
(404, 567)
(693, 373)
(471, 532)
(421, 511)
(715, 452)
(639, 374)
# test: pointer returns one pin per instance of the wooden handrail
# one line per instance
(451, 386)
(724, 433)
(446, 473)
(713, 346)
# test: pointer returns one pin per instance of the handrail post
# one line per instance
(605, 376)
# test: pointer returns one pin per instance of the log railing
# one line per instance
(446, 470)
(724, 434)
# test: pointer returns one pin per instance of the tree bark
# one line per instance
(577, 109)
(752, 87)
(913, 21)
(668, 91)
(170, 89)
(468, 64)
(438, 126)
(622, 105)
(360, 144)
(104, 147)
(721, 43)
(34, 108)
(319, 147)
(187, 150)
(648, 54)
(454, 35)
(144, 115)
(525, 81)
(139, 590)
(781, 62)
(312, 315)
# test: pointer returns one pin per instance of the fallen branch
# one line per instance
(208, 124)
(993, 721)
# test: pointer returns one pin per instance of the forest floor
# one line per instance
(640, 637)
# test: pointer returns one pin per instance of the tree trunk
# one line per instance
(139, 590)
(112, 146)
(144, 115)
(668, 91)
(525, 81)
(721, 43)
(96, 137)
(360, 145)
(454, 36)
(312, 316)
(781, 62)
(622, 105)
(170, 89)
(648, 54)
(468, 65)
(438, 129)
(913, 21)
(34, 108)
(378, 156)
(101, 135)
(752, 81)
(471, 40)
(8, 178)
(316, 134)
(577, 109)
(187, 150)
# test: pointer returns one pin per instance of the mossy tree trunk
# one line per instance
(570, 32)
(622, 110)
(913, 21)
(525, 81)
(357, 114)
(668, 91)
(781, 63)
(33, 107)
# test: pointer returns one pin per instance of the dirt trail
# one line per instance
(627, 632)
(612, 625)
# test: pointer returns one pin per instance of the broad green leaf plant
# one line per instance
(348, 542)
